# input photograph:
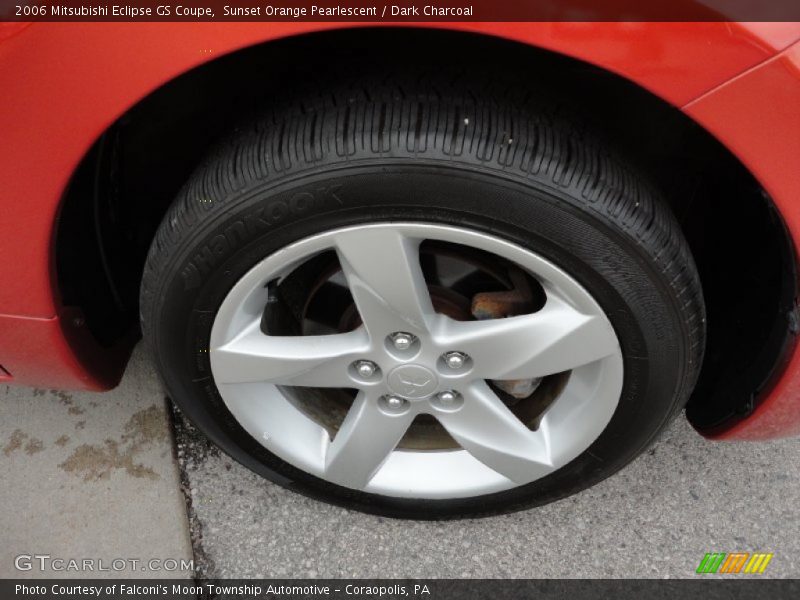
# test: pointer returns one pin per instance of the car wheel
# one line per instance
(423, 304)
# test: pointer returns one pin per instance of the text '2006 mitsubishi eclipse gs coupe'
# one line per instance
(420, 270)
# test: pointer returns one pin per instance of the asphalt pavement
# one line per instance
(657, 518)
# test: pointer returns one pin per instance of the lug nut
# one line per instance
(365, 368)
(448, 397)
(448, 400)
(455, 360)
(402, 340)
(393, 404)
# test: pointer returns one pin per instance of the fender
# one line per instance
(65, 83)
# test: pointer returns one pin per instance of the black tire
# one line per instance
(378, 153)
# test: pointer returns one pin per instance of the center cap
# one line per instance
(412, 381)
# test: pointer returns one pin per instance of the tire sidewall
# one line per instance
(232, 235)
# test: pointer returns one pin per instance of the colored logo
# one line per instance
(734, 562)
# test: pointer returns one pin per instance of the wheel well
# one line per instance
(124, 185)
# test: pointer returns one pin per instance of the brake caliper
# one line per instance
(499, 305)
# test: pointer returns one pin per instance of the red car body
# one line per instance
(63, 85)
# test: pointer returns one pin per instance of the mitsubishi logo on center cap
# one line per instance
(412, 381)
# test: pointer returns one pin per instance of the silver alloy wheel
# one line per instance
(253, 370)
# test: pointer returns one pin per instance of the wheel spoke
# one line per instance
(311, 361)
(384, 275)
(487, 429)
(555, 339)
(364, 441)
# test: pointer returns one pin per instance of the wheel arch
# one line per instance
(125, 182)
